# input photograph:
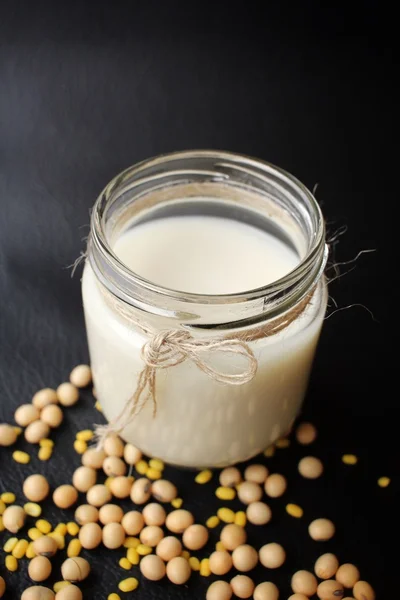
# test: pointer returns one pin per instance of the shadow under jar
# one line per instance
(224, 247)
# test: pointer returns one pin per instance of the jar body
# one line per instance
(200, 422)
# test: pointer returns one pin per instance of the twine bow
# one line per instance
(170, 348)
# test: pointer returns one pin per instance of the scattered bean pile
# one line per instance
(159, 537)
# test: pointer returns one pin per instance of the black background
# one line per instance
(87, 89)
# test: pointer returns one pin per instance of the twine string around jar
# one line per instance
(171, 347)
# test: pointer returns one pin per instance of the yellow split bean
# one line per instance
(33, 509)
(45, 453)
(128, 585)
(60, 585)
(74, 548)
(20, 548)
(34, 533)
(144, 550)
(10, 544)
(11, 563)
(21, 457)
(294, 510)
(43, 526)
(212, 522)
(205, 570)
(30, 553)
(8, 497)
(156, 463)
(125, 564)
(204, 476)
(194, 563)
(240, 518)
(225, 493)
(85, 435)
(226, 515)
(177, 502)
(133, 556)
(72, 528)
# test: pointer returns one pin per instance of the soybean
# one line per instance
(90, 536)
(36, 488)
(110, 513)
(272, 556)
(84, 478)
(132, 455)
(219, 590)
(363, 591)
(249, 492)
(98, 495)
(256, 473)
(152, 567)
(163, 490)
(220, 562)
(36, 431)
(330, 590)
(151, 535)
(93, 458)
(310, 467)
(304, 582)
(258, 513)
(8, 435)
(195, 537)
(39, 568)
(44, 397)
(242, 586)
(230, 477)
(14, 518)
(275, 486)
(244, 558)
(233, 536)
(326, 566)
(52, 415)
(81, 376)
(113, 466)
(113, 445)
(306, 433)
(75, 569)
(45, 546)
(321, 530)
(37, 592)
(26, 414)
(266, 591)
(70, 592)
(132, 522)
(86, 513)
(178, 570)
(141, 491)
(67, 394)
(348, 575)
(65, 496)
(168, 548)
(179, 520)
(154, 514)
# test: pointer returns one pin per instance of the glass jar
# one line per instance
(200, 420)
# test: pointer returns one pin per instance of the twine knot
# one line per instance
(170, 348)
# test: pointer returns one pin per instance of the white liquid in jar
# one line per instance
(205, 255)
(199, 421)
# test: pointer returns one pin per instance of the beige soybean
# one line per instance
(93, 458)
(141, 491)
(242, 586)
(219, 590)
(266, 591)
(151, 535)
(90, 535)
(232, 536)
(258, 513)
(256, 473)
(230, 477)
(65, 496)
(71, 592)
(8, 435)
(195, 537)
(154, 514)
(304, 582)
(37, 592)
(244, 558)
(113, 535)
(306, 433)
(132, 522)
(86, 513)
(121, 486)
(110, 513)
(2, 587)
(113, 445)
(44, 397)
(152, 567)
(36, 487)
(164, 491)
(14, 518)
(81, 376)
(220, 562)
(178, 570)
(98, 495)
(36, 431)
(39, 568)
(84, 478)
(179, 520)
(45, 546)
(298, 597)
(321, 530)
(348, 575)
(52, 415)
(249, 492)
(330, 590)
(26, 414)
(168, 548)
(275, 486)
(114, 466)
(67, 394)
(363, 591)
(326, 566)
(75, 569)
(132, 455)
(272, 556)
(310, 467)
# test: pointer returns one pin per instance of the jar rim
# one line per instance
(125, 283)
